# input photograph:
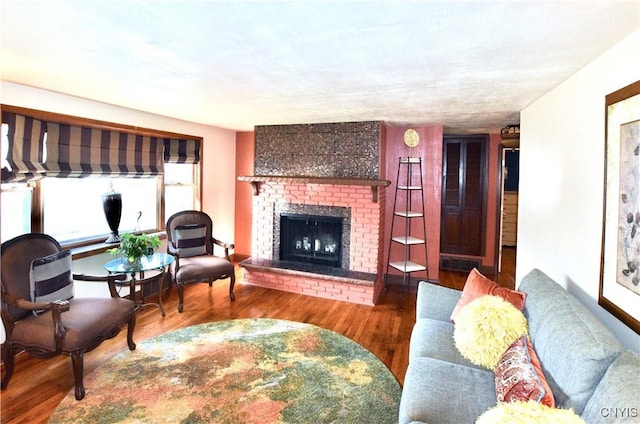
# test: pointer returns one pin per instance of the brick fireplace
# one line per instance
(310, 234)
(340, 190)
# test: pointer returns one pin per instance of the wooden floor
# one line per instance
(38, 385)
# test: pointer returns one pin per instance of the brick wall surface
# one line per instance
(365, 246)
(317, 287)
(366, 218)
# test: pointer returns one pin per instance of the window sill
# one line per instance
(84, 251)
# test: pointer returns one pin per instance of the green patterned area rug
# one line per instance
(240, 371)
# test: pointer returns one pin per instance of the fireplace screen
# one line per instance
(311, 239)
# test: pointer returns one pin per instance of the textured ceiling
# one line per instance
(470, 66)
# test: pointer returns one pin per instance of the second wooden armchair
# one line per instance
(190, 239)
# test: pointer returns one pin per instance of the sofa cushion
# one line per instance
(617, 396)
(437, 391)
(83, 326)
(196, 269)
(519, 376)
(477, 285)
(435, 302)
(574, 348)
(432, 338)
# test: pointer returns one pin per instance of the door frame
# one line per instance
(500, 202)
(486, 165)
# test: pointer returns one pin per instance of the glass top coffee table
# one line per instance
(154, 262)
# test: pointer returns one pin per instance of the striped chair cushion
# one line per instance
(191, 240)
(50, 278)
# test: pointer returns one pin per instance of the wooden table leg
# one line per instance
(160, 286)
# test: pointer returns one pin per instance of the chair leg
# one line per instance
(7, 357)
(170, 278)
(130, 328)
(180, 297)
(77, 361)
(232, 283)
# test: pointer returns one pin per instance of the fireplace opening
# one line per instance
(311, 239)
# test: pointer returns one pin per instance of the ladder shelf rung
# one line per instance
(410, 160)
(408, 240)
(409, 188)
(407, 266)
(409, 214)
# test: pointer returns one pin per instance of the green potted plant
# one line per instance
(133, 247)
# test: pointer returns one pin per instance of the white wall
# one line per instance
(218, 144)
(562, 179)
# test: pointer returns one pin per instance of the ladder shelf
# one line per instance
(408, 226)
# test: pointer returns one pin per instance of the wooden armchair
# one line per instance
(59, 325)
(190, 240)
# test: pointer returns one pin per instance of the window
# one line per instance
(15, 200)
(80, 217)
(5, 146)
(140, 200)
(15, 213)
(180, 187)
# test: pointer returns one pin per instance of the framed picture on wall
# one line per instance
(620, 268)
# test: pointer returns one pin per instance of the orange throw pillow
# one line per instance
(478, 285)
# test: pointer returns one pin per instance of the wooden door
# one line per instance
(464, 195)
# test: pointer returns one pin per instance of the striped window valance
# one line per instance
(181, 151)
(41, 145)
(25, 154)
(74, 151)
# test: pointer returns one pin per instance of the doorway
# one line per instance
(508, 235)
(464, 201)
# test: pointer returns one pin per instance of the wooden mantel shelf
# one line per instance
(256, 180)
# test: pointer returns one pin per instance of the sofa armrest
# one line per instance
(617, 392)
(435, 302)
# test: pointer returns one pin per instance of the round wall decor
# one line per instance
(411, 137)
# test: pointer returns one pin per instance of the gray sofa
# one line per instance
(586, 367)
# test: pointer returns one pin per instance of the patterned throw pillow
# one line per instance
(478, 285)
(191, 240)
(519, 375)
(50, 278)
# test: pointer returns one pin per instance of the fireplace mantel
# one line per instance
(256, 180)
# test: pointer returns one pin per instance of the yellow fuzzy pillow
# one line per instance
(530, 412)
(485, 328)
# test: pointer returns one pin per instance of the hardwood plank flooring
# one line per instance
(505, 278)
(39, 385)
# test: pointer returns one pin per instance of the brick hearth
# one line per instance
(361, 282)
